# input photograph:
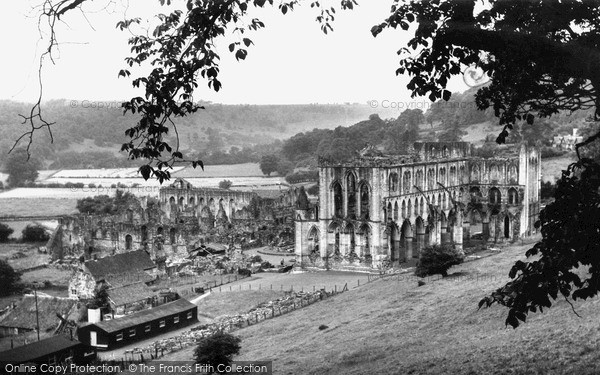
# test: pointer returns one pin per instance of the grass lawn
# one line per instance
(22, 256)
(306, 281)
(391, 326)
(236, 302)
(55, 276)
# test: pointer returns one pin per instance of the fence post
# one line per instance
(336, 288)
(358, 282)
(230, 288)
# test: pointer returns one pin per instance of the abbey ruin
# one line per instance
(182, 219)
(383, 209)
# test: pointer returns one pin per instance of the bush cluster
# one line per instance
(437, 259)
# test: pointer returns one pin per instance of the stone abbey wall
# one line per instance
(380, 209)
(183, 218)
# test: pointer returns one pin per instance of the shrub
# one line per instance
(313, 190)
(217, 350)
(35, 233)
(244, 272)
(438, 259)
(9, 279)
(551, 152)
(302, 176)
(225, 184)
(5, 232)
(256, 259)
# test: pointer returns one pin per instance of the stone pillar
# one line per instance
(485, 230)
(409, 247)
(420, 243)
(466, 231)
(458, 231)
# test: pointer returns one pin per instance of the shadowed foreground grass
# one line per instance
(391, 327)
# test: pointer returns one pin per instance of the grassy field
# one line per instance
(236, 302)
(21, 256)
(390, 327)
(224, 170)
(37, 207)
(55, 276)
(308, 281)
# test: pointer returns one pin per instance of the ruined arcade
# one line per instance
(377, 209)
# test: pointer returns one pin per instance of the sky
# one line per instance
(291, 62)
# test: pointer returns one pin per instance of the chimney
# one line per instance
(574, 132)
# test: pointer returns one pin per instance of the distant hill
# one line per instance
(89, 134)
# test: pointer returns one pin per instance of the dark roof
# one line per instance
(127, 278)
(216, 247)
(145, 316)
(37, 349)
(120, 263)
(23, 316)
(129, 293)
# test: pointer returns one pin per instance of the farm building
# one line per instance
(130, 297)
(53, 350)
(116, 270)
(21, 318)
(138, 326)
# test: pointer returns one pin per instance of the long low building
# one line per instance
(110, 334)
(53, 350)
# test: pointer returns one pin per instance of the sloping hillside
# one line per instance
(391, 327)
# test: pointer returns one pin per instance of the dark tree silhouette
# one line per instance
(5, 232)
(217, 349)
(21, 169)
(34, 233)
(9, 279)
(268, 164)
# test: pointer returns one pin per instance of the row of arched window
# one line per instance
(356, 199)
(433, 176)
(495, 195)
(496, 173)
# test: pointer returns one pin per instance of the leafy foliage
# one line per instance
(5, 232)
(225, 184)
(20, 168)
(106, 205)
(438, 259)
(217, 349)
(268, 164)
(9, 279)
(566, 262)
(453, 131)
(517, 44)
(35, 233)
(100, 299)
(547, 190)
